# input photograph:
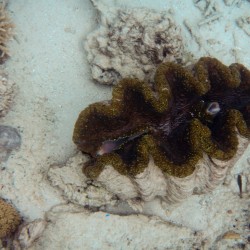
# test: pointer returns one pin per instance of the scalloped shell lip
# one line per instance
(101, 122)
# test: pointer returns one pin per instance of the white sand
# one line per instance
(49, 66)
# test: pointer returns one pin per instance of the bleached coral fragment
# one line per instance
(244, 24)
(201, 4)
(233, 2)
(71, 181)
(132, 43)
(208, 7)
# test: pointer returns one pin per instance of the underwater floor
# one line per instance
(58, 67)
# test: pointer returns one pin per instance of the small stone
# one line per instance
(10, 139)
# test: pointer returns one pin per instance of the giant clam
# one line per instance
(172, 139)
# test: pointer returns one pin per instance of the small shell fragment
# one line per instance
(30, 232)
(231, 235)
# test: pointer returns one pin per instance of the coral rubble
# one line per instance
(72, 182)
(6, 27)
(132, 43)
(7, 92)
(9, 219)
(244, 23)
(170, 137)
(9, 137)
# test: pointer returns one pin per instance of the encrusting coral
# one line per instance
(165, 133)
(9, 219)
(6, 32)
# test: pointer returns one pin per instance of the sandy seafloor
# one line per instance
(49, 65)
